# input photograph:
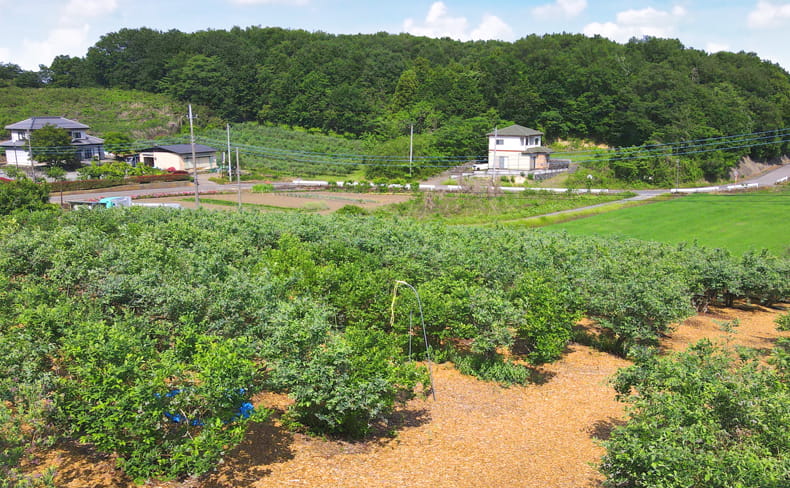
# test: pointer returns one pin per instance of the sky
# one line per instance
(33, 32)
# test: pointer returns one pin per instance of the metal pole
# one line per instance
(238, 177)
(424, 335)
(411, 146)
(194, 161)
(230, 159)
(677, 174)
(30, 148)
(492, 163)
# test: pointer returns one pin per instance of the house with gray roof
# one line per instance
(178, 157)
(517, 149)
(17, 148)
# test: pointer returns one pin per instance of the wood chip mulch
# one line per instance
(475, 434)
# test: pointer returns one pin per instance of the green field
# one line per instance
(471, 209)
(737, 222)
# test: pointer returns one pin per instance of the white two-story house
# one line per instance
(517, 149)
(17, 148)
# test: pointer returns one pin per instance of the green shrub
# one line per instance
(341, 383)
(351, 210)
(546, 323)
(23, 195)
(262, 188)
(700, 418)
(165, 415)
(490, 368)
(783, 322)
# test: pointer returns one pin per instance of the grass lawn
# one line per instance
(470, 209)
(738, 222)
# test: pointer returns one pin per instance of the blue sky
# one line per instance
(35, 31)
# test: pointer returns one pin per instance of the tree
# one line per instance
(23, 195)
(52, 145)
(68, 72)
(8, 72)
(58, 174)
(119, 144)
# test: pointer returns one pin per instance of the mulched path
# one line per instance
(475, 434)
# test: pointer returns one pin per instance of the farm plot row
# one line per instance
(145, 332)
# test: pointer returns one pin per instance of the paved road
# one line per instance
(770, 178)
(204, 186)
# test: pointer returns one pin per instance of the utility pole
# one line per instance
(411, 146)
(194, 161)
(492, 163)
(30, 147)
(230, 161)
(238, 177)
(677, 174)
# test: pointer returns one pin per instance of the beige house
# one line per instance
(178, 157)
(517, 148)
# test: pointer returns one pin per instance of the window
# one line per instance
(500, 142)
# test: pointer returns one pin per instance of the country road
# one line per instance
(205, 186)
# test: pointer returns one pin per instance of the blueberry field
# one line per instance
(145, 333)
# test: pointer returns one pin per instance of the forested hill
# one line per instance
(566, 84)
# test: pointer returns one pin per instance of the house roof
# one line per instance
(22, 143)
(87, 140)
(516, 130)
(181, 149)
(537, 150)
(35, 123)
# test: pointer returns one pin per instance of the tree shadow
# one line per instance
(602, 429)
(538, 376)
(264, 444)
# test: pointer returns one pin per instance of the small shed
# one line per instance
(178, 157)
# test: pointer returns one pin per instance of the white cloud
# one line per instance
(69, 34)
(438, 23)
(768, 14)
(638, 23)
(62, 40)
(292, 3)
(492, 27)
(715, 47)
(565, 8)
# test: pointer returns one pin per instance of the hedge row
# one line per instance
(111, 182)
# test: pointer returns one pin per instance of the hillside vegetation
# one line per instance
(289, 150)
(140, 115)
(647, 91)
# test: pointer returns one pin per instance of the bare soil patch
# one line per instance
(475, 434)
(320, 202)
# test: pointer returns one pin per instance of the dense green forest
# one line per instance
(648, 91)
